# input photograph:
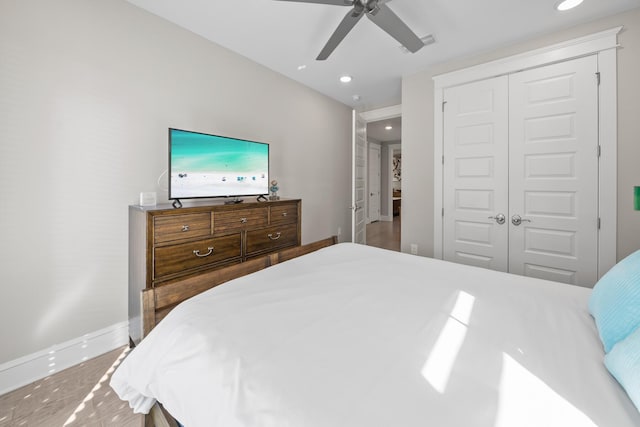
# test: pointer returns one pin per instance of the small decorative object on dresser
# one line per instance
(148, 198)
(274, 190)
(166, 245)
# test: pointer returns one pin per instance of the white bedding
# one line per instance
(360, 337)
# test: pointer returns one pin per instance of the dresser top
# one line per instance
(199, 205)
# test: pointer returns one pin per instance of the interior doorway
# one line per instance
(384, 187)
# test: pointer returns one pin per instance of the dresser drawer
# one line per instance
(284, 214)
(185, 256)
(270, 238)
(239, 219)
(176, 227)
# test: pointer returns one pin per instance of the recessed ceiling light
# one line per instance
(388, 127)
(301, 67)
(345, 79)
(356, 98)
(568, 4)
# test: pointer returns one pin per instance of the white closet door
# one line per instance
(476, 174)
(553, 178)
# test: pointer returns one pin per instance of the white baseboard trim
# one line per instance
(386, 218)
(27, 369)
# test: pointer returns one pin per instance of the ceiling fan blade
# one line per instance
(334, 2)
(348, 22)
(389, 21)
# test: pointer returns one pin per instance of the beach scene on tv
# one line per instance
(211, 166)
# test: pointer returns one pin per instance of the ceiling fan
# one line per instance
(375, 10)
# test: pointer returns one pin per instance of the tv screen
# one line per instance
(202, 165)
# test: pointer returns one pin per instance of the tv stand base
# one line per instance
(235, 201)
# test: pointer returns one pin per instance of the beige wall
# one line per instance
(87, 92)
(417, 131)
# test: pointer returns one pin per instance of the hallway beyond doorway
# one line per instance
(384, 234)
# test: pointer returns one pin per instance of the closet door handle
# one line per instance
(517, 220)
(500, 218)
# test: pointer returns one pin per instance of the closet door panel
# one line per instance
(553, 178)
(475, 173)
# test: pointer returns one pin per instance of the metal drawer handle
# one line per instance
(185, 228)
(270, 235)
(243, 220)
(199, 255)
(284, 214)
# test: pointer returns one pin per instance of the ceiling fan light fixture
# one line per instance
(567, 4)
(346, 78)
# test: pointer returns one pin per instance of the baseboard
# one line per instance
(386, 218)
(27, 369)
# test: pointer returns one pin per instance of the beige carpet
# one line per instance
(78, 396)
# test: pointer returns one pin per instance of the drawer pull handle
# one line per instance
(284, 214)
(277, 236)
(243, 220)
(185, 228)
(198, 254)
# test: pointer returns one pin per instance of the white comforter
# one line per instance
(361, 337)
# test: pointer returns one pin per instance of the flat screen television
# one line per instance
(206, 166)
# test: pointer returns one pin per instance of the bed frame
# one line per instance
(158, 302)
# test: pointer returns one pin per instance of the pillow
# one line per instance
(615, 301)
(624, 364)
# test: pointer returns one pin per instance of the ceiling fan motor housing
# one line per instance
(371, 6)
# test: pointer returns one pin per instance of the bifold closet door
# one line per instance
(553, 178)
(475, 197)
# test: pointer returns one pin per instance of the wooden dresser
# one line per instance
(167, 244)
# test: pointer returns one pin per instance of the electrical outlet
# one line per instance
(339, 231)
(414, 249)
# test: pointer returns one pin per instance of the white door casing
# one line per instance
(525, 145)
(374, 178)
(476, 177)
(553, 172)
(358, 179)
(603, 45)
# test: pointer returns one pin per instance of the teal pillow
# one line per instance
(623, 361)
(615, 301)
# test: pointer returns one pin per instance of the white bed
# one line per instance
(357, 336)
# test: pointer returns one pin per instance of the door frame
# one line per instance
(390, 149)
(603, 44)
(382, 114)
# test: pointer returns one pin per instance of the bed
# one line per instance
(351, 335)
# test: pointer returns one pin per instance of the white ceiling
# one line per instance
(283, 35)
(377, 130)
